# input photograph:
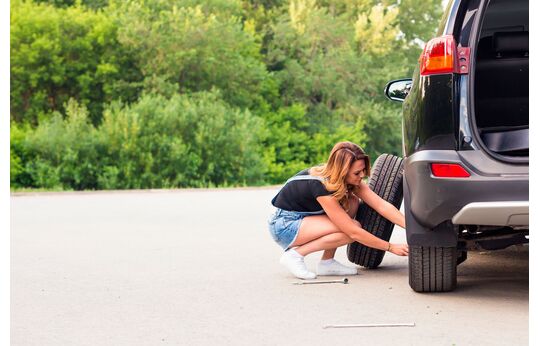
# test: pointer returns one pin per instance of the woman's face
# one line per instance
(356, 173)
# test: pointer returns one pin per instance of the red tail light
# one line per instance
(439, 56)
(448, 170)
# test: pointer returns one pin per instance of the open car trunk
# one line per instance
(502, 78)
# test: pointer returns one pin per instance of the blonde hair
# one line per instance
(335, 170)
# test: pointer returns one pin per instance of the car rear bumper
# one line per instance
(496, 193)
(506, 213)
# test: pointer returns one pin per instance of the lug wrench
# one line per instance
(369, 325)
(307, 282)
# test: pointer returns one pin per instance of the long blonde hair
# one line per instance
(335, 170)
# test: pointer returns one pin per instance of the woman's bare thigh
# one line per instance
(314, 227)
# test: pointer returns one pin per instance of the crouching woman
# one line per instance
(316, 210)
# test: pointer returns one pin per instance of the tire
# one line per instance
(462, 255)
(386, 181)
(433, 269)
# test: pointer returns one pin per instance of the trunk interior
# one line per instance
(502, 78)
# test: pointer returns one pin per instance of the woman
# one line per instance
(316, 210)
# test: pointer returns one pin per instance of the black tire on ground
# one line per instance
(433, 269)
(462, 255)
(386, 181)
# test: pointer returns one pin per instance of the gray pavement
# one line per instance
(198, 267)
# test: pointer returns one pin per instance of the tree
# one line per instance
(62, 53)
(190, 49)
(139, 93)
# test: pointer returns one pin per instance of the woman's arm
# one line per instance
(345, 223)
(377, 203)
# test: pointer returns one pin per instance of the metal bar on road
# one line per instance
(307, 282)
(369, 325)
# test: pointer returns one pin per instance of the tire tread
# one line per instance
(433, 269)
(385, 181)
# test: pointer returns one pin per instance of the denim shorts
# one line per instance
(284, 226)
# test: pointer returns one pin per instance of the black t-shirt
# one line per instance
(300, 195)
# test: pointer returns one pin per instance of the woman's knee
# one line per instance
(340, 237)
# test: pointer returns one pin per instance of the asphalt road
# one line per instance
(198, 267)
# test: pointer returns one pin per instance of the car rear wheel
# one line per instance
(432, 269)
(386, 181)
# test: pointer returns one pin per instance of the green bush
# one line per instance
(19, 156)
(159, 142)
(62, 53)
(15, 168)
(182, 141)
(190, 49)
(287, 142)
(64, 152)
(119, 94)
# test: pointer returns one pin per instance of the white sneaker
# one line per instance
(294, 262)
(332, 267)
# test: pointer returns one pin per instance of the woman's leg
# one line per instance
(320, 233)
(327, 242)
(354, 206)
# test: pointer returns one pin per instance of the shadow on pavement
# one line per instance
(502, 274)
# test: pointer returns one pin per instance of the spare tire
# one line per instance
(386, 181)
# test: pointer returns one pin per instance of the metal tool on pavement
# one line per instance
(308, 282)
(369, 325)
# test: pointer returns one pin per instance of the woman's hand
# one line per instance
(399, 249)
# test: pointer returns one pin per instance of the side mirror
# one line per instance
(397, 90)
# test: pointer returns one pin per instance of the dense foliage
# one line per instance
(125, 94)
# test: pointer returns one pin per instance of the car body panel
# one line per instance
(438, 127)
(435, 200)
